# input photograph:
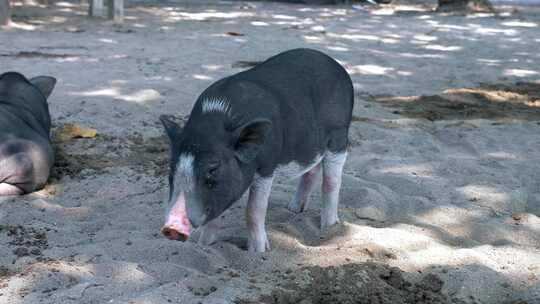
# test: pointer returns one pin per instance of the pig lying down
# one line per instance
(26, 154)
(286, 117)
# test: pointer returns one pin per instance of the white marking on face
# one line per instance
(184, 178)
(293, 169)
(216, 104)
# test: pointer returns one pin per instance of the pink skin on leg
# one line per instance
(259, 192)
(332, 171)
(305, 187)
(177, 226)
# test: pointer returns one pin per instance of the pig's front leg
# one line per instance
(209, 231)
(332, 171)
(259, 192)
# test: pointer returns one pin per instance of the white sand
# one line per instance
(431, 197)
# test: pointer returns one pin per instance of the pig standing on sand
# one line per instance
(286, 117)
(26, 154)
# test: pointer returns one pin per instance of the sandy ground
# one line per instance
(445, 185)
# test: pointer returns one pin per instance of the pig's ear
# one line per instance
(45, 84)
(249, 139)
(171, 127)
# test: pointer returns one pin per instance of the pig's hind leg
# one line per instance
(259, 192)
(332, 171)
(300, 201)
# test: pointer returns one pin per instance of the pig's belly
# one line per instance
(294, 170)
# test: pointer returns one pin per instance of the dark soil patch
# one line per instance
(4, 272)
(496, 102)
(28, 241)
(465, 6)
(365, 283)
(35, 54)
(101, 152)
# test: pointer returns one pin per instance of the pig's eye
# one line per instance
(210, 183)
(212, 172)
(211, 177)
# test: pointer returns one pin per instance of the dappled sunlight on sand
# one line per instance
(491, 62)
(177, 16)
(425, 38)
(369, 69)
(503, 155)
(201, 77)
(494, 31)
(284, 17)
(419, 170)
(259, 23)
(107, 40)
(519, 72)
(359, 37)
(438, 47)
(518, 23)
(485, 195)
(448, 215)
(140, 96)
(337, 48)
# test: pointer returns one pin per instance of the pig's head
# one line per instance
(28, 94)
(211, 166)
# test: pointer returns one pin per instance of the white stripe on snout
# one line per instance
(184, 175)
(216, 104)
(183, 181)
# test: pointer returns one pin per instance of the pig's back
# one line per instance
(304, 79)
(306, 94)
(315, 95)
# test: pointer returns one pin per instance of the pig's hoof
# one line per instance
(258, 246)
(295, 206)
(328, 223)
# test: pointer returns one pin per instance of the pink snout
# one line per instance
(177, 226)
(175, 233)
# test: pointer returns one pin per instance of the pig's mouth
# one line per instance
(174, 234)
(177, 229)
